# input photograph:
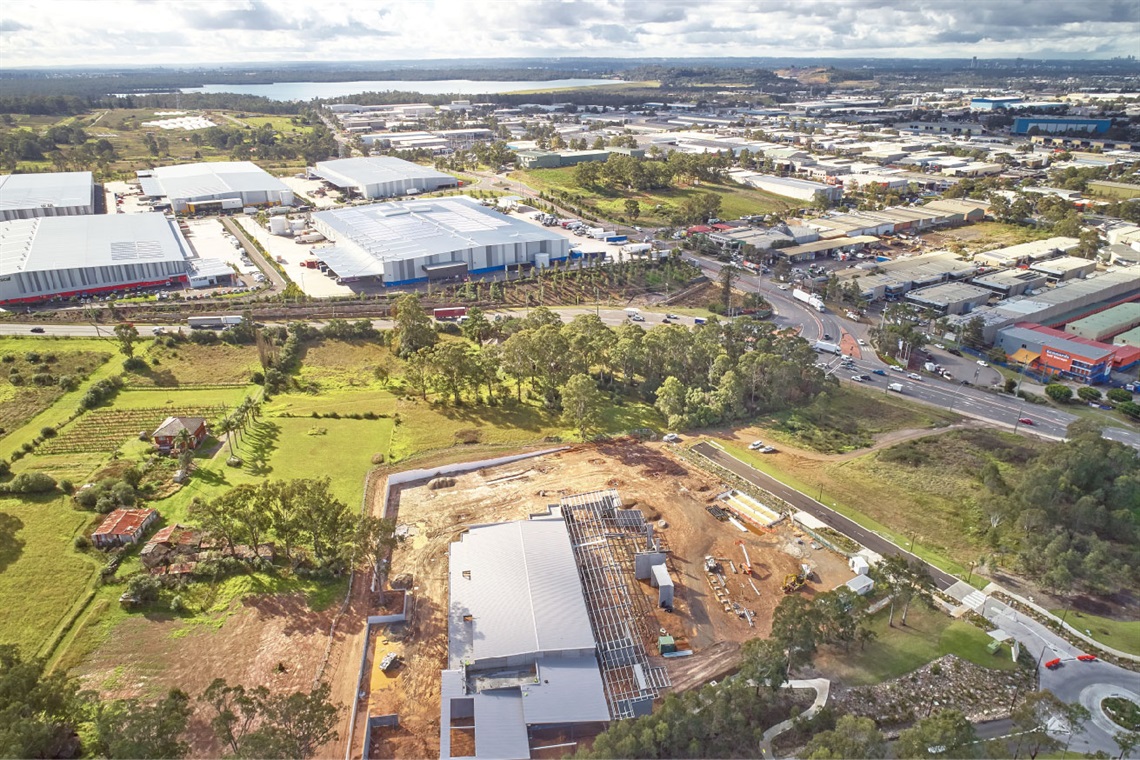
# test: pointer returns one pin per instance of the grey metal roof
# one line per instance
(210, 268)
(1032, 337)
(187, 181)
(349, 262)
(32, 191)
(569, 690)
(371, 170)
(67, 242)
(421, 228)
(519, 584)
(500, 728)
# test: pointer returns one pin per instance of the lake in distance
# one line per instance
(310, 90)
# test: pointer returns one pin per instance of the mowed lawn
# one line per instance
(898, 650)
(154, 398)
(41, 574)
(1118, 634)
(735, 200)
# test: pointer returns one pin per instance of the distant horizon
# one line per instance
(475, 63)
(49, 34)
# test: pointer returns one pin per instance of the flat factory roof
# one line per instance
(55, 189)
(949, 293)
(371, 170)
(515, 590)
(71, 242)
(420, 228)
(188, 181)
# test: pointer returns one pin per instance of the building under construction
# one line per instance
(545, 635)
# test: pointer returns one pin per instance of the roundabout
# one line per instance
(1092, 698)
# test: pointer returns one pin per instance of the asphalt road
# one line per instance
(829, 517)
(970, 401)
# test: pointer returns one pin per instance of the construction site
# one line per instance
(676, 570)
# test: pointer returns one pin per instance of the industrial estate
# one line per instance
(703, 419)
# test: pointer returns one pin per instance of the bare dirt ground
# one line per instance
(275, 641)
(648, 478)
(882, 440)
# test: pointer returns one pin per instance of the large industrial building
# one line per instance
(1066, 302)
(416, 241)
(382, 176)
(26, 196)
(1055, 353)
(1106, 324)
(800, 189)
(1027, 253)
(215, 186)
(82, 255)
(541, 632)
(1023, 125)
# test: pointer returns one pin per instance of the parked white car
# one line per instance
(756, 445)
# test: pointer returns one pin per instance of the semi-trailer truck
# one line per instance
(813, 301)
(217, 321)
(449, 312)
(637, 248)
(617, 239)
(827, 348)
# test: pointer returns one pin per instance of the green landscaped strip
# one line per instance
(898, 650)
(1118, 634)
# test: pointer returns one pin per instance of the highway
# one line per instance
(969, 401)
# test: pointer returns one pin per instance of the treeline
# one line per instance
(718, 372)
(1073, 516)
(46, 715)
(628, 173)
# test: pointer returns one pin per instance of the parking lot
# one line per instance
(209, 240)
(290, 255)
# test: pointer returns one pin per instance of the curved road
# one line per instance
(969, 401)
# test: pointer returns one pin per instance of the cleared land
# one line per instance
(926, 489)
(656, 205)
(193, 365)
(648, 478)
(985, 236)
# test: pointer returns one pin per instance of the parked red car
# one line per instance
(1086, 657)
(1053, 664)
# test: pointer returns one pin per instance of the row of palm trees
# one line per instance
(237, 421)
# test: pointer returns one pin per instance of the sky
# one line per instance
(191, 32)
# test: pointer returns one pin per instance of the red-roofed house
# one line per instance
(167, 434)
(699, 229)
(123, 526)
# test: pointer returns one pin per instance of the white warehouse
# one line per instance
(382, 176)
(414, 241)
(800, 189)
(26, 196)
(82, 255)
(206, 187)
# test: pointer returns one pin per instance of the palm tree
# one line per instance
(183, 441)
(226, 426)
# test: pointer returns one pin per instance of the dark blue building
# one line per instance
(1046, 125)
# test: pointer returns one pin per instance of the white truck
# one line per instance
(217, 321)
(633, 249)
(827, 348)
(813, 301)
(896, 387)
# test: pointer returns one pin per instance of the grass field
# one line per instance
(897, 651)
(191, 364)
(41, 575)
(153, 398)
(20, 403)
(924, 492)
(1118, 634)
(847, 418)
(736, 200)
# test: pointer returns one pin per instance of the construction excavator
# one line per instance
(794, 581)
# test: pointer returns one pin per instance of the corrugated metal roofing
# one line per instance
(371, 170)
(55, 189)
(500, 728)
(188, 181)
(422, 228)
(515, 590)
(65, 242)
(569, 690)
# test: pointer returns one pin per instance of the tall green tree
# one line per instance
(38, 713)
(1039, 714)
(853, 737)
(131, 729)
(945, 734)
(127, 335)
(256, 723)
(413, 326)
(582, 405)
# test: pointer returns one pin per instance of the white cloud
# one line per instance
(189, 32)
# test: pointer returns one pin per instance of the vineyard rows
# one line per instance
(106, 429)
